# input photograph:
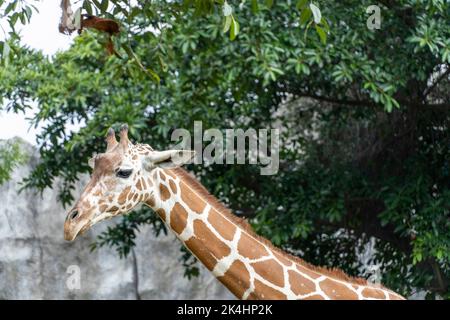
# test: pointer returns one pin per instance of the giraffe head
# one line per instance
(121, 179)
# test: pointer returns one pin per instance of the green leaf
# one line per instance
(13, 19)
(22, 18)
(28, 12)
(322, 34)
(88, 7)
(269, 3)
(227, 24)
(388, 105)
(11, 7)
(395, 103)
(301, 4)
(155, 77)
(97, 4)
(418, 257)
(305, 15)
(150, 72)
(255, 6)
(104, 5)
(316, 13)
(234, 29)
(325, 24)
(163, 65)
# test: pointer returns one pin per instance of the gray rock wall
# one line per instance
(34, 258)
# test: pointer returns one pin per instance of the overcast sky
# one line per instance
(42, 34)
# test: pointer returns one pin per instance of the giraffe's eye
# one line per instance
(123, 173)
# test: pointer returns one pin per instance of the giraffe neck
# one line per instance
(248, 265)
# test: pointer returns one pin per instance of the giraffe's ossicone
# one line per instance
(248, 265)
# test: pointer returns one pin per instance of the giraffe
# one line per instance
(248, 265)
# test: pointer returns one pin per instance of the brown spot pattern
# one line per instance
(337, 291)
(373, 293)
(236, 279)
(217, 248)
(170, 173)
(263, 292)
(178, 218)
(197, 246)
(112, 209)
(250, 248)
(223, 226)
(314, 297)
(139, 185)
(282, 259)
(173, 186)
(151, 201)
(300, 285)
(165, 194)
(308, 272)
(271, 271)
(189, 197)
(395, 297)
(161, 213)
(123, 195)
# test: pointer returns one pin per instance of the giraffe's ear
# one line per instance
(91, 161)
(168, 159)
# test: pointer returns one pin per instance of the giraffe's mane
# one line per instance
(193, 183)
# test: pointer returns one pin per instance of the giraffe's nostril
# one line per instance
(74, 214)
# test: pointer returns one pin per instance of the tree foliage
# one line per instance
(11, 156)
(365, 117)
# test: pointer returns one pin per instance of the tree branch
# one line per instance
(358, 103)
(368, 103)
(436, 82)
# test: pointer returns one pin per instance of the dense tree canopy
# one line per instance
(364, 114)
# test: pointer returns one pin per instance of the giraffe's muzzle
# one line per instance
(75, 225)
